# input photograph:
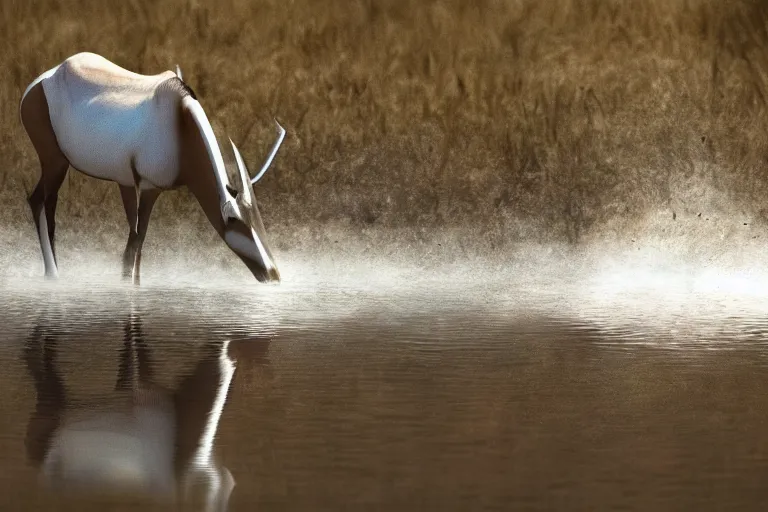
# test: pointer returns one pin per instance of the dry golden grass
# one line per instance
(559, 115)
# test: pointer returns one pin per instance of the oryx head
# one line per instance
(243, 228)
(229, 203)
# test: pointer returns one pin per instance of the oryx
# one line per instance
(147, 133)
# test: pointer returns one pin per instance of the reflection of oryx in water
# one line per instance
(143, 437)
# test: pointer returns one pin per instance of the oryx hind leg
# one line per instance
(53, 166)
(47, 191)
(138, 209)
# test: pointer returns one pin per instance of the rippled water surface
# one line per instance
(456, 396)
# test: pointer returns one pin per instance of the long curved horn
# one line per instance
(178, 72)
(272, 154)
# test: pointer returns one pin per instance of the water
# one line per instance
(387, 394)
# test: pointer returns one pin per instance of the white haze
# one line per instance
(649, 282)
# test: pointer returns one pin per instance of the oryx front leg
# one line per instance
(138, 209)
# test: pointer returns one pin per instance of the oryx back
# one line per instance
(114, 124)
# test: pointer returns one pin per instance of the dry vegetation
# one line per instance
(549, 119)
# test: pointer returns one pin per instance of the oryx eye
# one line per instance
(233, 191)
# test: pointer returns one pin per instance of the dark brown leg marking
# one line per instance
(53, 164)
(130, 199)
(51, 201)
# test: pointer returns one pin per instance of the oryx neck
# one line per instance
(214, 153)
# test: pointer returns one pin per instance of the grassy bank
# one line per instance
(545, 120)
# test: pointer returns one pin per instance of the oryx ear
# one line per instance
(230, 210)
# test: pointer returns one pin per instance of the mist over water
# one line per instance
(547, 379)
(696, 267)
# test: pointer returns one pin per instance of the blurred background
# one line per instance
(516, 121)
